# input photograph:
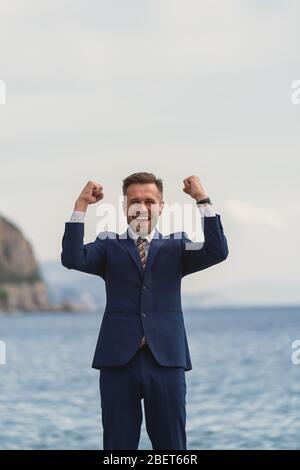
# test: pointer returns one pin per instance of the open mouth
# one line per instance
(142, 217)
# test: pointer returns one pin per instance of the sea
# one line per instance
(243, 391)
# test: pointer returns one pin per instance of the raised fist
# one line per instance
(91, 193)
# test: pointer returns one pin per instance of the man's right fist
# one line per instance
(91, 193)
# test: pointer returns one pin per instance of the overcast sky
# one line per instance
(101, 89)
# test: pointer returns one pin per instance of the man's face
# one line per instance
(142, 206)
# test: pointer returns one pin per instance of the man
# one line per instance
(142, 350)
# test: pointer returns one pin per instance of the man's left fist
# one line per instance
(193, 187)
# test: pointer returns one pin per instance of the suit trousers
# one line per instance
(163, 389)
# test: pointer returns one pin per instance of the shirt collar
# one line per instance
(135, 235)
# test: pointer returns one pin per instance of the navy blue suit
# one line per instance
(143, 303)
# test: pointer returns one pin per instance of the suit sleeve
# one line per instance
(89, 258)
(197, 256)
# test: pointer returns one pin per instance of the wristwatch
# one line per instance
(204, 201)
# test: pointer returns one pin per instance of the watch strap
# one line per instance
(204, 201)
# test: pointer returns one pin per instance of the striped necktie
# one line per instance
(140, 243)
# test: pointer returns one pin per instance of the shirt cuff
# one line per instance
(77, 216)
(206, 210)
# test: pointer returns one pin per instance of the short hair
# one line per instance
(142, 178)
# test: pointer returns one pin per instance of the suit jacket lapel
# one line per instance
(155, 245)
(129, 244)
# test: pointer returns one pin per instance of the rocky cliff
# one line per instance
(21, 284)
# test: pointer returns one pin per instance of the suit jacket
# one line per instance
(141, 302)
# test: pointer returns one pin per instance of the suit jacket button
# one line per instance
(145, 287)
(143, 314)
